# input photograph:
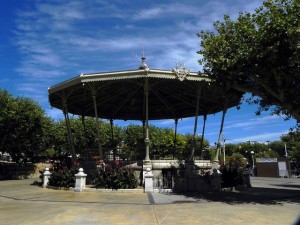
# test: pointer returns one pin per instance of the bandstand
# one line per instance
(145, 94)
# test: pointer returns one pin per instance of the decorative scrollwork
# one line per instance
(181, 71)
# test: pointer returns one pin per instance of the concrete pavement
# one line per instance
(270, 201)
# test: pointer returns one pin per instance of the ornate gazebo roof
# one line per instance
(120, 94)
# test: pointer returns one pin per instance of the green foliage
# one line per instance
(28, 135)
(23, 128)
(277, 147)
(62, 176)
(133, 145)
(259, 150)
(115, 176)
(236, 161)
(57, 134)
(231, 177)
(7, 106)
(190, 143)
(84, 135)
(292, 140)
(232, 172)
(272, 149)
(258, 53)
(180, 148)
(267, 154)
(162, 143)
(209, 153)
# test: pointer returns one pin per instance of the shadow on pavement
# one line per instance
(287, 185)
(266, 196)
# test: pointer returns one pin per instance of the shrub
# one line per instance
(231, 177)
(232, 172)
(115, 176)
(236, 161)
(62, 176)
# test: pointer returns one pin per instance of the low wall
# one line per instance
(174, 172)
(10, 170)
(182, 176)
(178, 167)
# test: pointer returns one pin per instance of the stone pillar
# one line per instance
(148, 181)
(146, 166)
(46, 176)
(80, 180)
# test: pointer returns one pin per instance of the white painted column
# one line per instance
(147, 140)
(68, 125)
(80, 180)
(46, 176)
(216, 159)
(94, 95)
(191, 158)
(148, 181)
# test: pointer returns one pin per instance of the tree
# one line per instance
(258, 53)
(84, 134)
(7, 106)
(198, 151)
(258, 149)
(58, 140)
(23, 127)
(292, 140)
(278, 147)
(162, 143)
(134, 142)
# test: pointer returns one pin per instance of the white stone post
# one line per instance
(80, 180)
(148, 181)
(46, 176)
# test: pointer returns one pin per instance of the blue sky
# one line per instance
(44, 42)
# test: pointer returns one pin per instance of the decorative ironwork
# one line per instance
(181, 71)
(163, 182)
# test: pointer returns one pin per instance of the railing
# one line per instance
(163, 182)
(113, 154)
(139, 154)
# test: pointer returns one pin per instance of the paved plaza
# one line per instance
(270, 201)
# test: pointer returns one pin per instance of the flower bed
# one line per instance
(115, 176)
(62, 177)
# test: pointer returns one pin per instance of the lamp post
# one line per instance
(252, 154)
(285, 150)
(224, 151)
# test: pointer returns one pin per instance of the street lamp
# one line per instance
(285, 150)
(224, 150)
(252, 154)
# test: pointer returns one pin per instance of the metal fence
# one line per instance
(163, 182)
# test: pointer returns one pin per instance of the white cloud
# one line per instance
(58, 40)
(40, 74)
(149, 13)
(163, 122)
(49, 36)
(166, 10)
(260, 137)
(63, 11)
(255, 122)
(55, 113)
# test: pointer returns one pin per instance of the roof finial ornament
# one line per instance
(180, 71)
(143, 65)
